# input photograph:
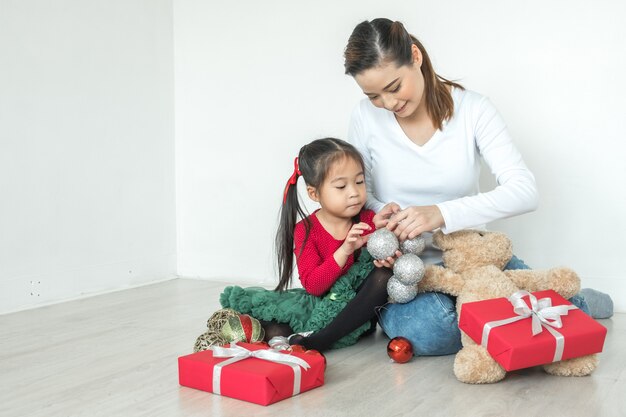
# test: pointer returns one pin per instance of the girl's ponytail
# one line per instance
(289, 213)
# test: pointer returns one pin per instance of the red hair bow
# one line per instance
(293, 179)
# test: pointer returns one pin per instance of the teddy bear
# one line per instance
(473, 270)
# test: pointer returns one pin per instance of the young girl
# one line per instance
(342, 287)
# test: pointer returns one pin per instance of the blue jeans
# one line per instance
(430, 321)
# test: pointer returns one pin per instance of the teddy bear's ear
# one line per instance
(501, 240)
(443, 241)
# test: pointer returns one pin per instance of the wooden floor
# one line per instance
(115, 355)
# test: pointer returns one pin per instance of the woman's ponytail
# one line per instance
(399, 42)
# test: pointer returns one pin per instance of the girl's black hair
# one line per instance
(382, 41)
(315, 161)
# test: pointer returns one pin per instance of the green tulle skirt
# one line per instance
(302, 311)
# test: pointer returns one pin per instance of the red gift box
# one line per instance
(249, 378)
(509, 338)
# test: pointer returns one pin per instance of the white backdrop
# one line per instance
(256, 80)
(90, 91)
(87, 200)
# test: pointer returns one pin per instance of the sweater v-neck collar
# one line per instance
(418, 148)
(432, 141)
(323, 228)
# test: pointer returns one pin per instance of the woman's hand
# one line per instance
(382, 217)
(414, 220)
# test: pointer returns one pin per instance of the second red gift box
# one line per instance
(505, 327)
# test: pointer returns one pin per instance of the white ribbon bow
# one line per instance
(541, 310)
(543, 315)
(237, 353)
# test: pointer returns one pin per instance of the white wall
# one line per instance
(86, 148)
(256, 80)
(87, 130)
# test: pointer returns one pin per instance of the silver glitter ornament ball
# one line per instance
(399, 292)
(414, 246)
(409, 269)
(382, 244)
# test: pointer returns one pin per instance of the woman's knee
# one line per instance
(516, 263)
(429, 322)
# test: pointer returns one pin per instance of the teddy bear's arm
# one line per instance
(438, 278)
(562, 280)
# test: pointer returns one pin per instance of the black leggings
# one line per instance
(362, 308)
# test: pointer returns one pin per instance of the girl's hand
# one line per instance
(355, 239)
(382, 217)
(414, 220)
(387, 263)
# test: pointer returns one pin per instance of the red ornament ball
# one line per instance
(400, 349)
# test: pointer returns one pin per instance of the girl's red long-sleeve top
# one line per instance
(317, 267)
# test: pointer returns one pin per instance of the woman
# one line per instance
(422, 138)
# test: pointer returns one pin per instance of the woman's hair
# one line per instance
(382, 41)
(314, 163)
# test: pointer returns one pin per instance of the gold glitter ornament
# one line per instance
(219, 319)
(208, 339)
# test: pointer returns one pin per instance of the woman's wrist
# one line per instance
(442, 218)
